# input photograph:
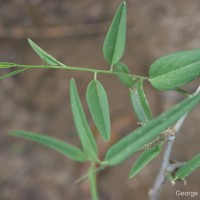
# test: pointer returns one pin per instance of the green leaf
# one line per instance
(188, 167)
(144, 159)
(47, 59)
(114, 43)
(140, 103)
(122, 68)
(7, 64)
(62, 147)
(175, 70)
(131, 143)
(82, 126)
(99, 108)
(12, 73)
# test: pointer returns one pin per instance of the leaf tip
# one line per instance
(107, 139)
(131, 175)
(29, 40)
(72, 80)
(12, 132)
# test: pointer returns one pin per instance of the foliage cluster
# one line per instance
(170, 72)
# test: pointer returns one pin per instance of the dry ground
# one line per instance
(38, 100)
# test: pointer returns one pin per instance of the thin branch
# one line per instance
(93, 182)
(85, 176)
(154, 193)
(172, 167)
(65, 67)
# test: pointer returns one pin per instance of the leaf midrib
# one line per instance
(117, 35)
(174, 71)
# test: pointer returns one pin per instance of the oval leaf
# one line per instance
(7, 64)
(188, 167)
(99, 108)
(175, 70)
(12, 73)
(144, 159)
(62, 147)
(114, 43)
(83, 129)
(140, 103)
(122, 68)
(47, 59)
(131, 143)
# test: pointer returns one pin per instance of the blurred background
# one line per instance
(37, 100)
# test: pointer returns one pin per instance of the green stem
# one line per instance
(93, 183)
(85, 176)
(95, 76)
(81, 69)
(184, 92)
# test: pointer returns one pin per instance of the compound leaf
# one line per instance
(47, 58)
(131, 143)
(99, 108)
(188, 167)
(62, 147)
(144, 159)
(82, 126)
(175, 70)
(140, 103)
(115, 40)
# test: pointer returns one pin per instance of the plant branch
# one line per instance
(93, 183)
(184, 92)
(172, 167)
(80, 69)
(154, 193)
(85, 176)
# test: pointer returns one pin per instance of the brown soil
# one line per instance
(38, 100)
